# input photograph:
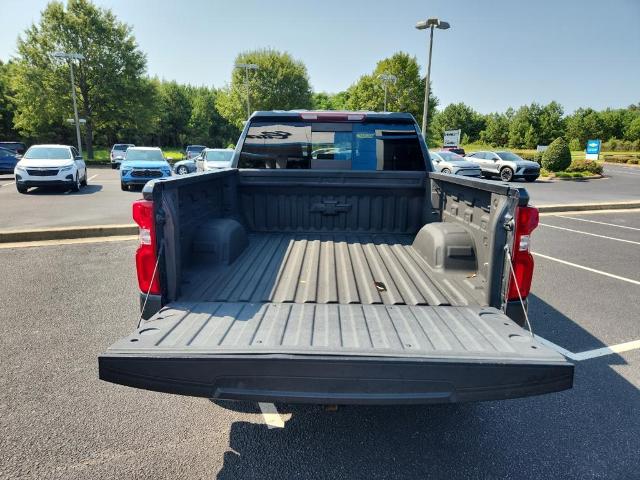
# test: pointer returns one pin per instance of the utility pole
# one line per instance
(69, 57)
(386, 78)
(430, 23)
(247, 67)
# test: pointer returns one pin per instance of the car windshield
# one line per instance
(341, 146)
(48, 153)
(223, 156)
(145, 155)
(121, 147)
(450, 156)
(15, 146)
(508, 156)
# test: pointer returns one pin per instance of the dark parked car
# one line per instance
(8, 160)
(17, 147)
(457, 150)
(192, 151)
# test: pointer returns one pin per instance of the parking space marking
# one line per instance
(271, 416)
(601, 352)
(601, 223)
(92, 177)
(588, 269)
(590, 234)
(68, 241)
(589, 354)
(7, 184)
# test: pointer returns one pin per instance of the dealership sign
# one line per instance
(452, 138)
(593, 149)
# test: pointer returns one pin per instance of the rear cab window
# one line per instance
(335, 145)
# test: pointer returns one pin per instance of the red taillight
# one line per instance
(146, 257)
(526, 221)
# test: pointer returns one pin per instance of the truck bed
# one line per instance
(325, 269)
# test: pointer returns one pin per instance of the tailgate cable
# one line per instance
(515, 281)
(153, 275)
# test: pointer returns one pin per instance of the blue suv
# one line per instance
(142, 164)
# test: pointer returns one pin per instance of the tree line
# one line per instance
(120, 103)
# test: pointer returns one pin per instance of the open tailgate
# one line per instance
(334, 353)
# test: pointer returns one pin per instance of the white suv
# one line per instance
(50, 165)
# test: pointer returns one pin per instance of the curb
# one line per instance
(580, 207)
(66, 233)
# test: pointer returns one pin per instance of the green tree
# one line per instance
(174, 110)
(279, 83)
(330, 101)
(496, 131)
(632, 131)
(108, 80)
(551, 123)
(524, 128)
(459, 116)
(206, 125)
(405, 95)
(6, 104)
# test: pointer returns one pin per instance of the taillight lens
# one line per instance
(146, 257)
(526, 221)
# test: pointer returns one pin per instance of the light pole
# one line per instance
(386, 78)
(247, 67)
(73, 56)
(430, 23)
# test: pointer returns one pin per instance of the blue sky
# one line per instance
(498, 53)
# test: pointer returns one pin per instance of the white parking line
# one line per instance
(69, 241)
(271, 416)
(601, 352)
(590, 234)
(589, 354)
(7, 184)
(595, 221)
(92, 177)
(593, 270)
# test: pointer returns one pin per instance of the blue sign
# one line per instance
(593, 147)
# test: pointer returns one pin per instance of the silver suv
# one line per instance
(506, 165)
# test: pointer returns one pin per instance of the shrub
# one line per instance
(557, 157)
(587, 166)
(634, 161)
(537, 157)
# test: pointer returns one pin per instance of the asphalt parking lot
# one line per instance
(104, 203)
(63, 305)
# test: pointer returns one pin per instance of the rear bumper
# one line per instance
(335, 380)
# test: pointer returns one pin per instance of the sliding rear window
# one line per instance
(332, 146)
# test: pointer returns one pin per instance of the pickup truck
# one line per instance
(332, 265)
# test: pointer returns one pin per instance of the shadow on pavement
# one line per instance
(589, 431)
(88, 190)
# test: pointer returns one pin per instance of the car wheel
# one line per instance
(85, 180)
(76, 184)
(182, 170)
(445, 170)
(506, 174)
(124, 187)
(531, 178)
(22, 188)
(114, 166)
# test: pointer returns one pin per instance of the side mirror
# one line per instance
(79, 157)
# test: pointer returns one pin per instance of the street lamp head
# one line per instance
(387, 77)
(68, 56)
(432, 22)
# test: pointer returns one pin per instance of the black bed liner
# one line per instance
(331, 353)
(328, 268)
